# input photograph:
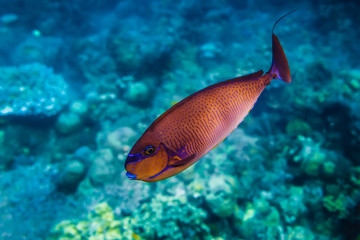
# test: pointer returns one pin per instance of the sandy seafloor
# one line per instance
(81, 80)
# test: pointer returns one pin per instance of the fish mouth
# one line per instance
(131, 176)
(132, 158)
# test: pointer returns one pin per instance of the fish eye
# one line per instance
(149, 150)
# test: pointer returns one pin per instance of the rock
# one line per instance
(138, 93)
(102, 170)
(298, 127)
(68, 122)
(71, 174)
(125, 54)
(79, 107)
(83, 154)
(120, 138)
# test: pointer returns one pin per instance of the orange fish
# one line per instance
(191, 128)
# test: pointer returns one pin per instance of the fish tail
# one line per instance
(279, 67)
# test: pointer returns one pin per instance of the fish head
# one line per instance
(146, 161)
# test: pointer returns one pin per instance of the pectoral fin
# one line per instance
(177, 161)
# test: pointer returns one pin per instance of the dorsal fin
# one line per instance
(279, 67)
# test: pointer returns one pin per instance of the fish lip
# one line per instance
(131, 176)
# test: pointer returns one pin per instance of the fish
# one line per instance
(194, 126)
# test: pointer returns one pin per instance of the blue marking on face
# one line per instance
(166, 168)
(131, 176)
(138, 157)
(133, 158)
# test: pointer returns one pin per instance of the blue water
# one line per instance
(80, 81)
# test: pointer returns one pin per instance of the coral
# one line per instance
(169, 217)
(313, 196)
(79, 107)
(138, 93)
(31, 89)
(311, 165)
(119, 139)
(298, 127)
(163, 218)
(354, 80)
(221, 196)
(70, 175)
(293, 206)
(140, 51)
(127, 197)
(299, 233)
(100, 225)
(72, 119)
(329, 168)
(313, 157)
(336, 204)
(98, 68)
(68, 122)
(290, 170)
(355, 176)
(33, 183)
(125, 53)
(102, 169)
(257, 220)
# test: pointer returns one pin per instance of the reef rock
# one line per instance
(71, 174)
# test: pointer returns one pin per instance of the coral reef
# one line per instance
(31, 89)
(100, 225)
(80, 81)
(151, 221)
(171, 217)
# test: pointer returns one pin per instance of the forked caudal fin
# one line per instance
(279, 67)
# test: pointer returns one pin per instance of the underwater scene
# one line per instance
(82, 83)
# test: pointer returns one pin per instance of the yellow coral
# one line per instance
(100, 226)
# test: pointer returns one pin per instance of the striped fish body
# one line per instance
(190, 129)
(201, 121)
(197, 124)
